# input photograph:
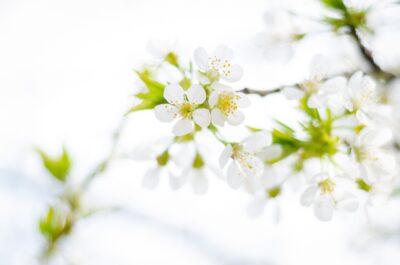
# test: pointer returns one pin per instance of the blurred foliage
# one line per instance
(57, 222)
(58, 167)
(154, 94)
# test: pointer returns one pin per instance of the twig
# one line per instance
(367, 55)
(102, 166)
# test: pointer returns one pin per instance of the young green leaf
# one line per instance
(153, 96)
(58, 167)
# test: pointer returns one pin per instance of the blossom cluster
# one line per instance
(342, 156)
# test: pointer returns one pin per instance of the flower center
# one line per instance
(186, 110)
(244, 158)
(327, 186)
(227, 103)
(218, 66)
(310, 86)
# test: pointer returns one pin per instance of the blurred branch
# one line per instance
(102, 166)
(367, 55)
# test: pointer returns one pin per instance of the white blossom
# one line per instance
(360, 96)
(225, 104)
(325, 198)
(184, 105)
(280, 35)
(244, 164)
(216, 66)
(321, 92)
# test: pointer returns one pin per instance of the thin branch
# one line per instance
(102, 166)
(262, 93)
(367, 55)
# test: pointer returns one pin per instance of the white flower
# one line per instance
(161, 48)
(151, 178)
(360, 95)
(375, 162)
(269, 188)
(325, 198)
(217, 66)
(225, 104)
(278, 39)
(321, 92)
(245, 165)
(184, 105)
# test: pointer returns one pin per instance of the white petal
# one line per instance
(213, 99)
(175, 182)
(293, 93)
(196, 94)
(271, 152)
(223, 52)
(201, 58)
(183, 127)
(257, 141)
(225, 155)
(348, 202)
(234, 176)
(217, 117)
(315, 101)
(202, 78)
(174, 94)
(251, 165)
(308, 196)
(320, 67)
(243, 101)
(376, 136)
(202, 117)
(234, 73)
(236, 118)
(256, 207)
(199, 182)
(335, 84)
(323, 208)
(165, 112)
(151, 178)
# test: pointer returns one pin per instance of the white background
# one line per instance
(66, 77)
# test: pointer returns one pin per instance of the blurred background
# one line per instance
(66, 78)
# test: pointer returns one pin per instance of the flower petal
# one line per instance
(223, 52)
(183, 127)
(236, 118)
(308, 196)
(217, 117)
(233, 73)
(165, 112)
(234, 176)
(199, 182)
(202, 117)
(225, 155)
(257, 141)
(201, 58)
(151, 178)
(348, 203)
(196, 94)
(174, 94)
(213, 99)
(243, 101)
(319, 67)
(323, 208)
(333, 85)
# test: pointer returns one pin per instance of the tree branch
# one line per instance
(367, 55)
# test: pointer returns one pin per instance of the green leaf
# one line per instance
(334, 4)
(58, 167)
(154, 94)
